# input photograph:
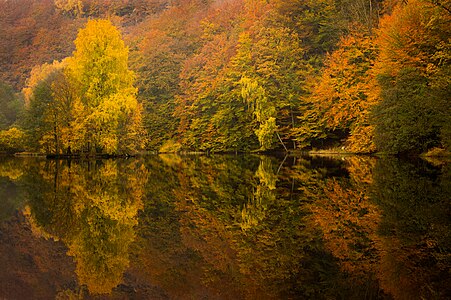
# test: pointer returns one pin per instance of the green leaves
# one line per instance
(10, 106)
(406, 120)
(413, 71)
(263, 110)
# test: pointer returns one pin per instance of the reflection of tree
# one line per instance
(11, 198)
(348, 219)
(253, 211)
(92, 207)
(361, 170)
(210, 201)
(278, 256)
(337, 206)
(352, 228)
(13, 169)
(184, 247)
(388, 227)
(415, 228)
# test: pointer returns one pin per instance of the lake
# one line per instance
(225, 227)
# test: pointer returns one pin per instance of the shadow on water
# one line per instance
(225, 227)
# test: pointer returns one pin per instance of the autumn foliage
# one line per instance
(231, 75)
(86, 103)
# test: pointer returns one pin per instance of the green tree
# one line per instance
(247, 81)
(264, 111)
(406, 120)
(318, 23)
(170, 39)
(213, 116)
(414, 72)
(50, 100)
(10, 106)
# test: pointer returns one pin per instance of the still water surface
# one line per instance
(225, 227)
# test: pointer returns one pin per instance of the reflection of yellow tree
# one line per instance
(254, 211)
(93, 208)
(11, 168)
(209, 204)
(361, 170)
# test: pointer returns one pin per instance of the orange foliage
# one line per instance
(349, 220)
(343, 95)
(361, 169)
(32, 33)
(349, 224)
(415, 36)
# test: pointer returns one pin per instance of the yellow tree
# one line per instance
(11, 139)
(109, 118)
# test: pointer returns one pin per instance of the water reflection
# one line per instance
(11, 199)
(233, 227)
(414, 229)
(92, 207)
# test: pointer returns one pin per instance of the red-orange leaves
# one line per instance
(343, 96)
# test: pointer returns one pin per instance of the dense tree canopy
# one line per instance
(414, 71)
(343, 97)
(229, 75)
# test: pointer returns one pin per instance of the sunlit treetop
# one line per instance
(100, 63)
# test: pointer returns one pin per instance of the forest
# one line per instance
(82, 77)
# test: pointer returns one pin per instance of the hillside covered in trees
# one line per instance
(117, 77)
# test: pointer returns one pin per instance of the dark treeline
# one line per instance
(226, 75)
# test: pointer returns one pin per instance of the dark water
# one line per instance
(225, 227)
